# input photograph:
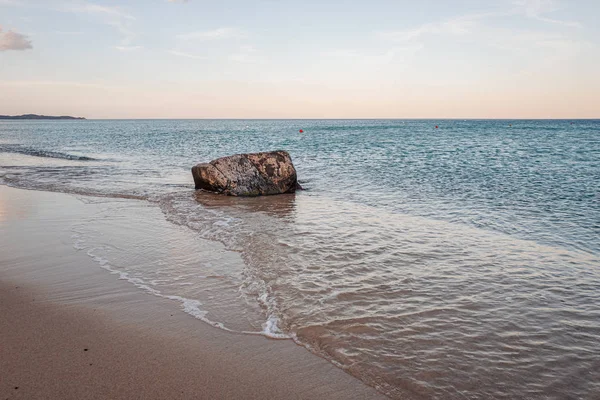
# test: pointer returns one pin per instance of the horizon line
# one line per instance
(311, 119)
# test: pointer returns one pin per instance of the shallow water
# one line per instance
(459, 262)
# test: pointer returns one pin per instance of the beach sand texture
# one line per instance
(70, 330)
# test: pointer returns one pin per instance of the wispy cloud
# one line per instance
(11, 40)
(92, 8)
(537, 8)
(533, 45)
(234, 50)
(455, 26)
(246, 54)
(469, 24)
(113, 16)
(186, 55)
(215, 34)
(128, 48)
(69, 33)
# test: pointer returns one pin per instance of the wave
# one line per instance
(18, 149)
(100, 253)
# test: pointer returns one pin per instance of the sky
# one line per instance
(300, 59)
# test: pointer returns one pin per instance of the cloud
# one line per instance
(11, 40)
(91, 8)
(128, 48)
(177, 1)
(521, 31)
(471, 23)
(69, 33)
(115, 16)
(243, 53)
(215, 34)
(536, 8)
(186, 55)
(246, 54)
(457, 26)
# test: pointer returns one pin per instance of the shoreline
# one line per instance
(57, 302)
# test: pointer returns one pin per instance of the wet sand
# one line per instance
(71, 330)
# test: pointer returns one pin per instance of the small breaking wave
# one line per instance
(191, 306)
(29, 151)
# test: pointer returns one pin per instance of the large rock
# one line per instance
(248, 174)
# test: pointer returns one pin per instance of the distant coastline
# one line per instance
(35, 116)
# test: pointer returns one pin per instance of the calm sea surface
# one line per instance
(458, 262)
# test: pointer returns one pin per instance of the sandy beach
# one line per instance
(71, 330)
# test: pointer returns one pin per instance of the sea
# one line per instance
(432, 259)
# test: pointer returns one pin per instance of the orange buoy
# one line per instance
(436, 127)
(301, 131)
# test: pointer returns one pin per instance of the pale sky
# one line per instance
(301, 59)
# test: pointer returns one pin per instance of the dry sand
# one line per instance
(70, 330)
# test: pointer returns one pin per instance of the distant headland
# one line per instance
(35, 116)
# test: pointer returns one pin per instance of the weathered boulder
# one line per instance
(248, 174)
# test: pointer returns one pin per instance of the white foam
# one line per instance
(78, 241)
(222, 223)
(271, 329)
(189, 306)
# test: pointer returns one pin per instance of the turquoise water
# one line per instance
(455, 262)
(535, 179)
